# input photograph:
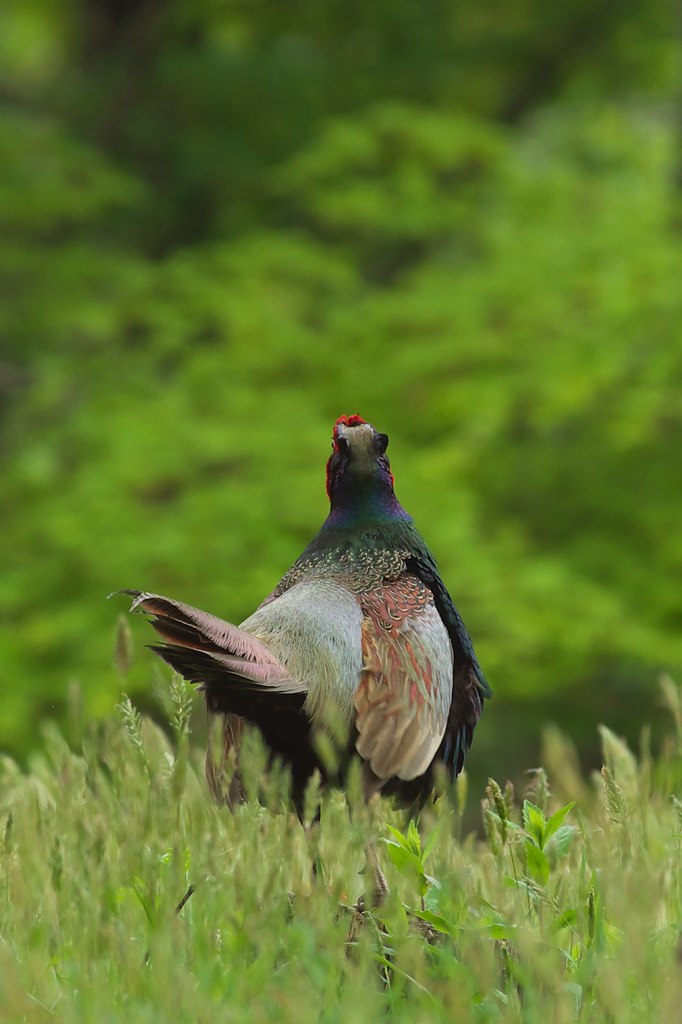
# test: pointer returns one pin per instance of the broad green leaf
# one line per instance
(400, 838)
(534, 822)
(431, 841)
(538, 865)
(560, 842)
(557, 820)
(405, 861)
(436, 921)
(569, 919)
(480, 901)
(414, 839)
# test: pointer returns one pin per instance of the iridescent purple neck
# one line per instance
(356, 506)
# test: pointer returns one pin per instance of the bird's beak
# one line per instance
(362, 449)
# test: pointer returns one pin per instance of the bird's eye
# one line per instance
(343, 444)
(382, 443)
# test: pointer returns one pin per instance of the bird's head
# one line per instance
(358, 472)
(358, 457)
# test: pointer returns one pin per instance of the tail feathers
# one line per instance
(208, 650)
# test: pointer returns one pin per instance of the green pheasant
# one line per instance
(361, 629)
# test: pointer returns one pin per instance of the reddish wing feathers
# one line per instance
(389, 605)
(398, 721)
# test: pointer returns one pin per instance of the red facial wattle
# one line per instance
(346, 421)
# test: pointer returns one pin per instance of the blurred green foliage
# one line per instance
(223, 224)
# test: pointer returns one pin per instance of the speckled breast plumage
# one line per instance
(386, 663)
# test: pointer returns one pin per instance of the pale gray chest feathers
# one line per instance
(315, 629)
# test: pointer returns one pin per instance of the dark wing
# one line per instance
(470, 686)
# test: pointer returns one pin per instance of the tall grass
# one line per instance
(127, 894)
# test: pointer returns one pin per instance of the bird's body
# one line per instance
(360, 630)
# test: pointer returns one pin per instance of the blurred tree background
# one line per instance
(223, 223)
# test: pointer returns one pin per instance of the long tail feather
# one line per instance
(208, 650)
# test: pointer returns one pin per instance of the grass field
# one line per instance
(560, 914)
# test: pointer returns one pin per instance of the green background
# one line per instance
(224, 223)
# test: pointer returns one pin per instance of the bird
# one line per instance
(360, 631)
